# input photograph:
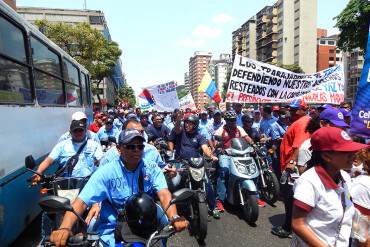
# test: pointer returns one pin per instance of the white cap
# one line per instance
(78, 116)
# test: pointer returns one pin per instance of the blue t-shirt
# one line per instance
(271, 128)
(205, 128)
(104, 134)
(89, 134)
(112, 185)
(187, 145)
(155, 133)
(239, 121)
(64, 150)
(150, 155)
(118, 122)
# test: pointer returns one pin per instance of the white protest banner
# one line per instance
(256, 82)
(165, 96)
(187, 102)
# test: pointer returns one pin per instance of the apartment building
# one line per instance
(186, 81)
(353, 64)
(198, 65)
(108, 87)
(219, 68)
(285, 33)
(244, 40)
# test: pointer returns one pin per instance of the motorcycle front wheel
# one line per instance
(250, 207)
(272, 190)
(199, 226)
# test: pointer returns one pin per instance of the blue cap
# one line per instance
(298, 104)
(325, 106)
(128, 135)
(334, 116)
(345, 112)
(217, 112)
(130, 116)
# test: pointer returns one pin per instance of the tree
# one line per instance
(126, 92)
(353, 24)
(181, 91)
(291, 67)
(86, 45)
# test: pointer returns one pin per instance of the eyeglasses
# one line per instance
(139, 147)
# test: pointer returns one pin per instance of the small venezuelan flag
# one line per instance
(208, 86)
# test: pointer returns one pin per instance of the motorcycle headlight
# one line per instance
(197, 174)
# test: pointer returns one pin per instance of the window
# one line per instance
(73, 94)
(95, 20)
(12, 42)
(14, 83)
(337, 59)
(331, 58)
(322, 42)
(337, 51)
(44, 58)
(14, 75)
(49, 89)
(70, 72)
(330, 42)
(85, 89)
(331, 51)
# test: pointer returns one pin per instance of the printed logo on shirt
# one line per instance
(340, 115)
(146, 177)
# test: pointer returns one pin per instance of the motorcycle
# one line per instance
(269, 186)
(192, 174)
(162, 146)
(240, 188)
(55, 204)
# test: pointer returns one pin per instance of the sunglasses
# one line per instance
(139, 147)
(78, 130)
(108, 123)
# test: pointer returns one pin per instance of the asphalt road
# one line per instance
(230, 231)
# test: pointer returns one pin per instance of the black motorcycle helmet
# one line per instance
(141, 214)
(230, 115)
(192, 118)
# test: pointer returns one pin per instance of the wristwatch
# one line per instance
(175, 218)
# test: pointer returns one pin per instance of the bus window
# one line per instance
(15, 72)
(71, 77)
(84, 91)
(44, 58)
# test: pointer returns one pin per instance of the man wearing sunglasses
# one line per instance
(108, 130)
(113, 184)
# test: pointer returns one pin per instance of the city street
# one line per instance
(229, 231)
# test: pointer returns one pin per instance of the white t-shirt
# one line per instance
(319, 195)
(304, 153)
(360, 191)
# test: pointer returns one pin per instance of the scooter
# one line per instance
(55, 204)
(268, 183)
(241, 189)
(191, 174)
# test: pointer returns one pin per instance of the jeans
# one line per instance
(223, 174)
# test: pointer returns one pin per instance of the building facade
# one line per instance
(327, 53)
(219, 69)
(353, 64)
(285, 33)
(244, 40)
(186, 81)
(198, 65)
(108, 87)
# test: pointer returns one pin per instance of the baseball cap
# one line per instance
(298, 104)
(131, 116)
(109, 120)
(79, 115)
(128, 135)
(345, 112)
(334, 139)
(257, 111)
(325, 106)
(276, 108)
(77, 124)
(217, 112)
(334, 116)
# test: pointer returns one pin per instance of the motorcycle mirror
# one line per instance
(181, 196)
(29, 161)
(55, 204)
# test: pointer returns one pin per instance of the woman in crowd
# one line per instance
(323, 210)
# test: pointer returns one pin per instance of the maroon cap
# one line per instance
(334, 139)
(276, 108)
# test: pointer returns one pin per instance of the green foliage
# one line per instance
(86, 45)
(126, 93)
(181, 91)
(291, 67)
(353, 24)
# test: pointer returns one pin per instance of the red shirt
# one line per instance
(94, 127)
(293, 138)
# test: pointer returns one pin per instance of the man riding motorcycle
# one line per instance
(226, 133)
(157, 129)
(108, 130)
(113, 184)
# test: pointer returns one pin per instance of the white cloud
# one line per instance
(206, 31)
(222, 18)
(190, 42)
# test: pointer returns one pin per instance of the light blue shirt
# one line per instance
(271, 128)
(118, 122)
(89, 134)
(205, 128)
(239, 121)
(112, 185)
(64, 150)
(217, 126)
(150, 155)
(104, 134)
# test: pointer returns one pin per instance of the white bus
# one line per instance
(40, 88)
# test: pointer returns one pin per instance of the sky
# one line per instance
(157, 38)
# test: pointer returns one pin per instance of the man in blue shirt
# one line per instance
(238, 110)
(269, 125)
(157, 129)
(113, 184)
(108, 130)
(119, 119)
(87, 160)
(79, 116)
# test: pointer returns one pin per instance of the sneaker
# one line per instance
(261, 203)
(220, 206)
(280, 232)
(216, 213)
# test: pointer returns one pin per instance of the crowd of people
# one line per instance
(324, 174)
